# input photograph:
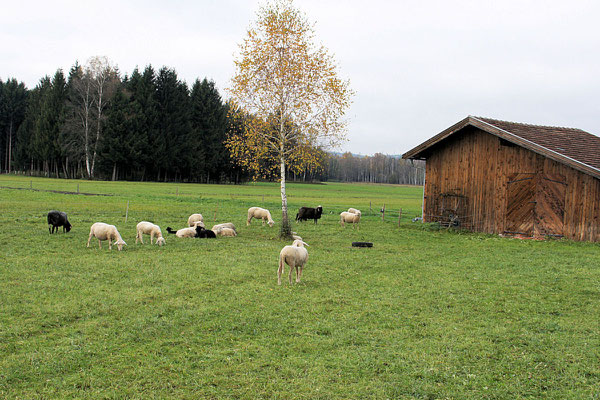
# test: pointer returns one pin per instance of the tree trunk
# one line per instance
(114, 174)
(286, 231)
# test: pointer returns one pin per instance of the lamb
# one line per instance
(349, 218)
(260, 213)
(295, 256)
(102, 231)
(205, 233)
(183, 233)
(195, 218)
(56, 219)
(218, 227)
(151, 229)
(354, 211)
(226, 232)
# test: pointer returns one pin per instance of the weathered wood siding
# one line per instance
(477, 165)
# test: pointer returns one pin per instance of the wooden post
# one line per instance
(370, 209)
(30, 184)
(177, 191)
(263, 200)
(127, 211)
(383, 213)
(399, 217)
(78, 188)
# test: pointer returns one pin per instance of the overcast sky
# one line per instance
(417, 67)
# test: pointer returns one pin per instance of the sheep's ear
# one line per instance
(304, 243)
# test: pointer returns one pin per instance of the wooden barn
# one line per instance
(509, 178)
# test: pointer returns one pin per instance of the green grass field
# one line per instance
(424, 314)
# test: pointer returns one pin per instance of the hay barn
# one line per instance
(510, 178)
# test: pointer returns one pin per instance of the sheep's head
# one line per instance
(160, 241)
(68, 227)
(199, 223)
(299, 243)
(120, 243)
(271, 223)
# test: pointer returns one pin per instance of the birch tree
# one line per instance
(290, 86)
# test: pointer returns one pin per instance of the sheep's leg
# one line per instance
(279, 271)
(138, 236)
(49, 231)
(297, 274)
(109, 244)
(263, 222)
(248, 220)
(151, 237)
(90, 238)
(99, 244)
(300, 275)
(290, 274)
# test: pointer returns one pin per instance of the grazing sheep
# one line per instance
(195, 218)
(259, 213)
(205, 233)
(102, 231)
(349, 218)
(354, 211)
(151, 229)
(295, 256)
(218, 227)
(306, 213)
(226, 232)
(56, 219)
(183, 233)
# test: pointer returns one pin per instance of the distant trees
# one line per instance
(153, 127)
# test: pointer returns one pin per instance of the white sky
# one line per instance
(417, 66)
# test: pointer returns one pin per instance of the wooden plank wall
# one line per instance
(476, 164)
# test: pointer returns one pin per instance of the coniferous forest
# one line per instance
(96, 123)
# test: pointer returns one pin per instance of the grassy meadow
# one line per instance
(424, 314)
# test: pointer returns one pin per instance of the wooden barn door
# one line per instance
(520, 204)
(550, 205)
(535, 204)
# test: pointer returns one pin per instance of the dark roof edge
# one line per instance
(494, 130)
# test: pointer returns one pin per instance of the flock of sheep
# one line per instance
(294, 255)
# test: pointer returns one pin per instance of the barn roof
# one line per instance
(574, 147)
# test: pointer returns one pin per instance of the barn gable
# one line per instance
(503, 177)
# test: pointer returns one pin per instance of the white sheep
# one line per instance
(350, 218)
(151, 229)
(295, 256)
(184, 232)
(195, 218)
(226, 232)
(354, 211)
(102, 231)
(259, 213)
(218, 227)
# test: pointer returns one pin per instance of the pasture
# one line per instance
(424, 314)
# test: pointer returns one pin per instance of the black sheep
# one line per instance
(56, 219)
(305, 213)
(204, 233)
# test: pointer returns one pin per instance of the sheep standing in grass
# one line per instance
(194, 218)
(56, 219)
(183, 233)
(350, 218)
(259, 213)
(295, 256)
(151, 229)
(102, 231)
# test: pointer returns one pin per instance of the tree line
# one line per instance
(146, 126)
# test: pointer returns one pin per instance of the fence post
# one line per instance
(383, 213)
(399, 217)
(30, 184)
(370, 209)
(77, 187)
(127, 211)
(177, 191)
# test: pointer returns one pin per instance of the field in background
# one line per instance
(425, 313)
